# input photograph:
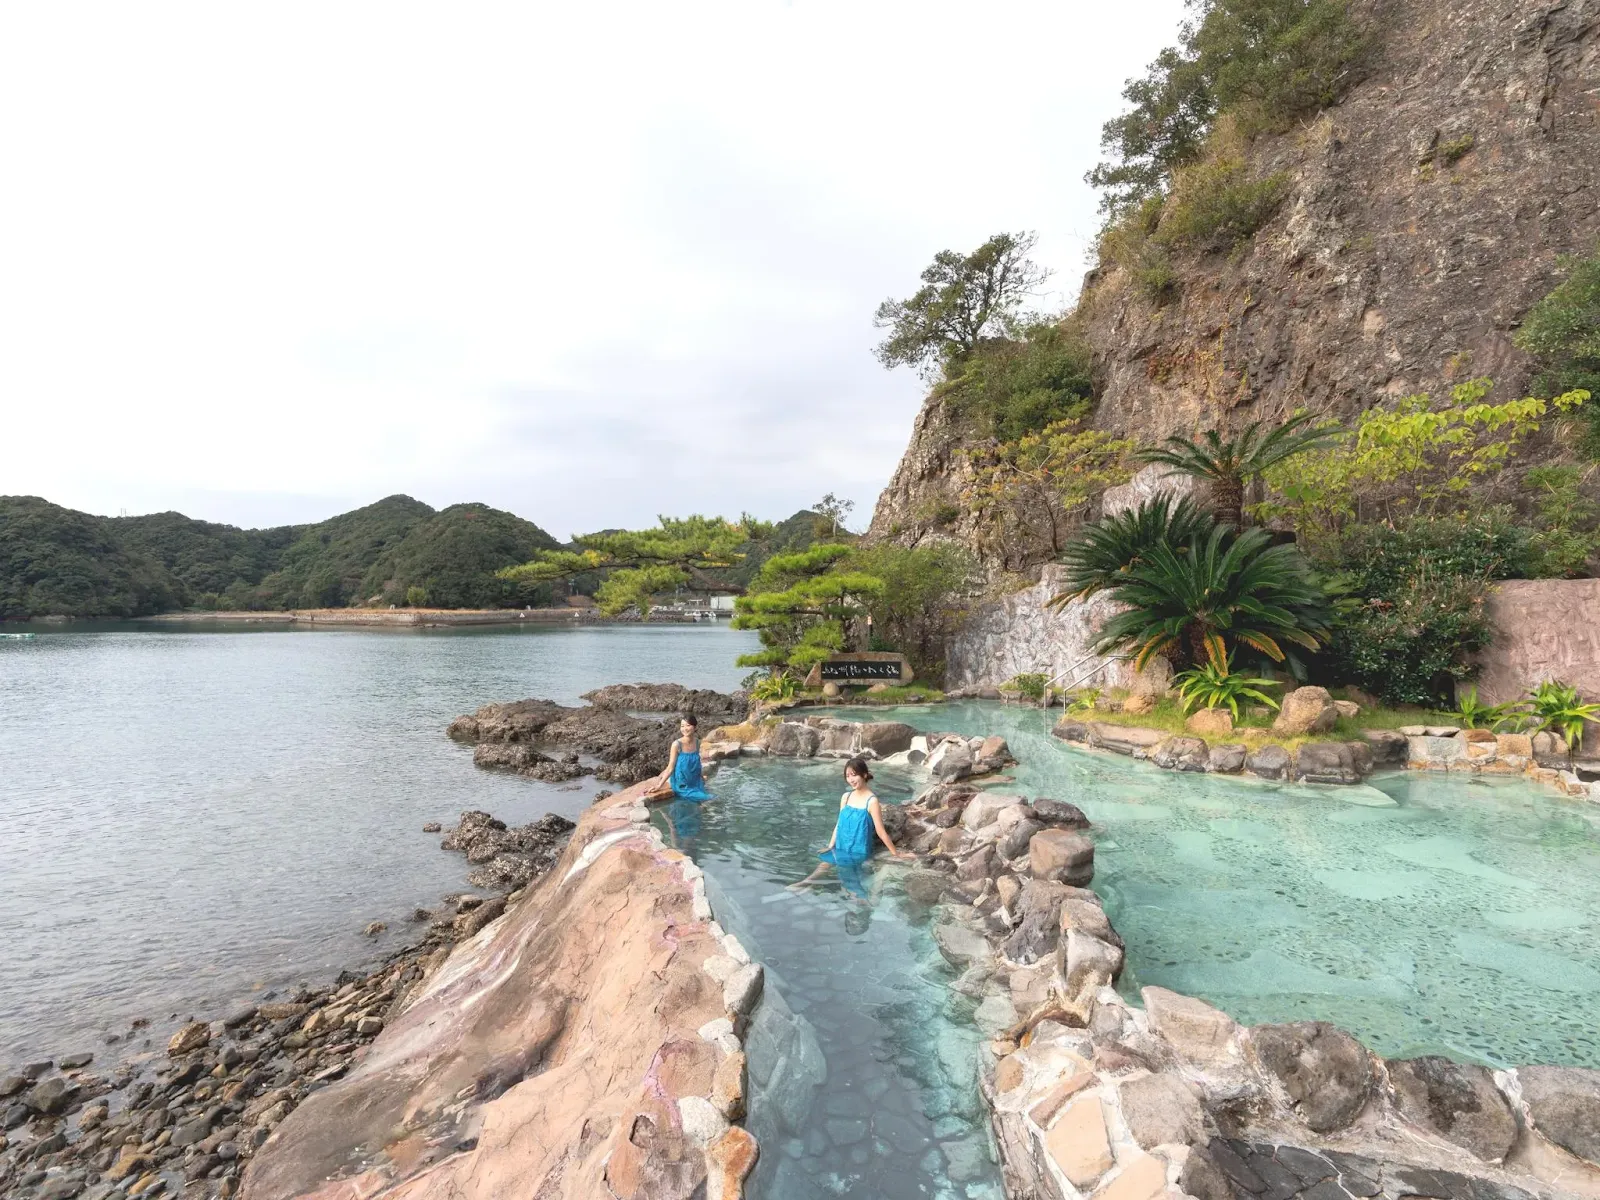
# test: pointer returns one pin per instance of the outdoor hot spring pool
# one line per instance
(1425, 914)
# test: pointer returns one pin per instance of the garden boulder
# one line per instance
(1458, 1101)
(1210, 722)
(1327, 1074)
(1062, 855)
(791, 739)
(1269, 762)
(884, 738)
(1182, 754)
(1306, 710)
(1326, 762)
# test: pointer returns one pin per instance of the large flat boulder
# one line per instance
(1124, 739)
(1458, 1101)
(1564, 1103)
(1327, 1074)
(556, 1053)
(883, 738)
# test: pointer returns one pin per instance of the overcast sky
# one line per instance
(586, 262)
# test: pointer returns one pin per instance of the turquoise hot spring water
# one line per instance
(1425, 914)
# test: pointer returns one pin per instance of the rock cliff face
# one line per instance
(582, 1045)
(1021, 633)
(1424, 217)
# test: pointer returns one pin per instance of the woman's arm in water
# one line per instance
(876, 810)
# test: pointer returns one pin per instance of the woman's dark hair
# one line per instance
(859, 766)
(689, 720)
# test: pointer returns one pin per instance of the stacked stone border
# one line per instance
(1092, 1097)
(1542, 758)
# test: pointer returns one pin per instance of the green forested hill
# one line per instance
(55, 561)
(453, 555)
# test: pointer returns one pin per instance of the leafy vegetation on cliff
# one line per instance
(1563, 330)
(1265, 62)
(54, 561)
(964, 300)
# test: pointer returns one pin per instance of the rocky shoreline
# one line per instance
(189, 1121)
(186, 1121)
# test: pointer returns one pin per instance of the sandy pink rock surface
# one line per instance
(545, 1058)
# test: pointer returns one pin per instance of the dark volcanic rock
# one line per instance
(633, 748)
(1060, 813)
(1565, 1105)
(52, 1096)
(507, 859)
(1458, 1101)
(671, 698)
(792, 739)
(1182, 754)
(1326, 762)
(1015, 840)
(1269, 762)
(1327, 1073)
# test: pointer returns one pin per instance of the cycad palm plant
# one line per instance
(1105, 550)
(1228, 464)
(1190, 601)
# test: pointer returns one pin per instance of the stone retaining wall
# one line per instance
(1544, 629)
(585, 1044)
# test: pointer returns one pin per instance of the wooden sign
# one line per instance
(868, 666)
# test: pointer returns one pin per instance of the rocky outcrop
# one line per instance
(1543, 629)
(584, 1044)
(1424, 216)
(629, 748)
(671, 698)
(1022, 633)
(507, 859)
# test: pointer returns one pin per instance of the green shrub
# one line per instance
(1568, 531)
(1010, 389)
(1029, 684)
(1128, 243)
(1563, 332)
(1218, 204)
(1414, 643)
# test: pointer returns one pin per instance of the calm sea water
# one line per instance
(188, 817)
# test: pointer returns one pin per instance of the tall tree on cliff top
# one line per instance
(641, 564)
(963, 299)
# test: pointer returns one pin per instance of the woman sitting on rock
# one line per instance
(683, 778)
(860, 815)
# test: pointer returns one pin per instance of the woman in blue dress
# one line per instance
(684, 778)
(860, 816)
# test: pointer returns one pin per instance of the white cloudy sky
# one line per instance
(587, 262)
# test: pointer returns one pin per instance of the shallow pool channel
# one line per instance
(1426, 914)
(863, 1063)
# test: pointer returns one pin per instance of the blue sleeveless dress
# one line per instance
(853, 840)
(688, 780)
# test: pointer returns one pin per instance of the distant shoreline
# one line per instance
(398, 617)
